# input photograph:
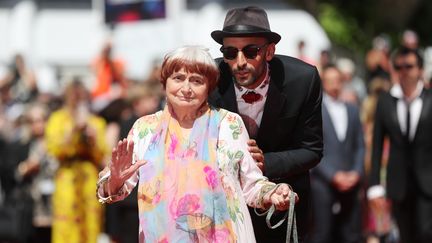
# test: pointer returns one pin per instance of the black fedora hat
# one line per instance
(248, 21)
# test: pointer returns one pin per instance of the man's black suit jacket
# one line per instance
(414, 157)
(290, 133)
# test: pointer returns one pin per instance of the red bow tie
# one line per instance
(251, 97)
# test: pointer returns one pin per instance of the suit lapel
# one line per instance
(394, 116)
(274, 103)
(350, 122)
(230, 99)
(329, 127)
(426, 109)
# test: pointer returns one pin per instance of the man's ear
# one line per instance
(270, 51)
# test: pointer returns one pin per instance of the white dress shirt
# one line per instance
(252, 113)
(338, 115)
(401, 108)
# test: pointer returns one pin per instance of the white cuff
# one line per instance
(375, 192)
(100, 192)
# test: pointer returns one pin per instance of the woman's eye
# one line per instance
(178, 78)
(197, 81)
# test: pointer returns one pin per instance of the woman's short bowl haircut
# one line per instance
(194, 59)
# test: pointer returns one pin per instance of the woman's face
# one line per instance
(74, 95)
(37, 122)
(186, 90)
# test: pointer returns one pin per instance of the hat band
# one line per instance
(244, 28)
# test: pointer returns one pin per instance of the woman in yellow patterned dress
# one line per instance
(77, 139)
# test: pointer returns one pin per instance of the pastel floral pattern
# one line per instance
(211, 177)
(195, 189)
(221, 236)
(187, 205)
(173, 146)
(235, 126)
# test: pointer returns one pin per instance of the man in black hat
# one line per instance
(279, 99)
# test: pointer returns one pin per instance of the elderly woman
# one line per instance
(191, 162)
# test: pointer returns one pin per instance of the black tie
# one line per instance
(408, 121)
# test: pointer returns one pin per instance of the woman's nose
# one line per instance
(186, 87)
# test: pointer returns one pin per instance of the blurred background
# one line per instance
(60, 37)
(99, 60)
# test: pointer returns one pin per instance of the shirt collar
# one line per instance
(396, 90)
(327, 99)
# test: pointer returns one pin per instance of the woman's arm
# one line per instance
(118, 179)
(257, 190)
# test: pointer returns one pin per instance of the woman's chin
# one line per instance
(185, 104)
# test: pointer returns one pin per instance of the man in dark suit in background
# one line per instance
(279, 99)
(336, 180)
(404, 115)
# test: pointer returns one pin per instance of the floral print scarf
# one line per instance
(180, 194)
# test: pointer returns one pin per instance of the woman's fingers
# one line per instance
(123, 147)
(281, 197)
(279, 203)
(114, 160)
(136, 166)
(130, 148)
(121, 158)
(124, 153)
(114, 155)
(283, 190)
(133, 168)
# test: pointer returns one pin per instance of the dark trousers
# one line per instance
(414, 217)
(329, 227)
(263, 234)
(122, 222)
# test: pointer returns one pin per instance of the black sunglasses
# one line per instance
(249, 51)
(404, 66)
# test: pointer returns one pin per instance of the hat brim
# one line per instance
(272, 37)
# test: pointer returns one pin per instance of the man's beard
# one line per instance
(245, 82)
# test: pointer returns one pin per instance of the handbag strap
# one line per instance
(292, 225)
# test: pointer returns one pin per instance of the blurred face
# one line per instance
(407, 70)
(37, 122)
(75, 95)
(247, 58)
(146, 105)
(186, 90)
(332, 82)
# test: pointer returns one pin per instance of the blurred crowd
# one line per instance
(52, 146)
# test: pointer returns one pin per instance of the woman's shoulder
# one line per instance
(230, 119)
(59, 116)
(147, 121)
(59, 112)
(226, 114)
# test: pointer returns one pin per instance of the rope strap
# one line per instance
(292, 225)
